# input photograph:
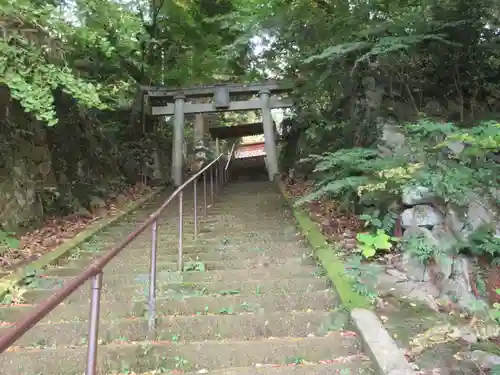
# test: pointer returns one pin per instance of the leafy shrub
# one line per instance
(363, 175)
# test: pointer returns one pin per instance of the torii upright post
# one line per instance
(177, 158)
(269, 134)
(217, 146)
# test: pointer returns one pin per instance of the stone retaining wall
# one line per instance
(445, 229)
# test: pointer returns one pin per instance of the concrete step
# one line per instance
(263, 273)
(223, 325)
(226, 238)
(180, 290)
(210, 355)
(227, 214)
(349, 365)
(221, 260)
(215, 262)
(74, 312)
(215, 252)
(211, 237)
(168, 228)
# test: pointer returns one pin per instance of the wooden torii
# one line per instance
(162, 101)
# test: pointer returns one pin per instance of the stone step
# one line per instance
(226, 240)
(221, 260)
(322, 300)
(194, 356)
(206, 230)
(224, 325)
(263, 273)
(349, 365)
(212, 263)
(179, 290)
(227, 214)
(215, 252)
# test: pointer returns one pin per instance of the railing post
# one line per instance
(205, 194)
(221, 173)
(152, 283)
(95, 305)
(212, 185)
(216, 168)
(181, 231)
(195, 185)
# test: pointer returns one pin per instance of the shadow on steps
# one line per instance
(248, 169)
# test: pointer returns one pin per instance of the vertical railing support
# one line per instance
(219, 164)
(181, 231)
(195, 191)
(212, 186)
(216, 169)
(152, 283)
(95, 306)
(223, 173)
(205, 195)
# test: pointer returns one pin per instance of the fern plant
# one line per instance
(484, 242)
(453, 177)
(362, 176)
(377, 220)
(363, 276)
(354, 176)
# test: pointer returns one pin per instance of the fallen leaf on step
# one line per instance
(348, 334)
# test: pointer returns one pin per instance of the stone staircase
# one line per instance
(251, 300)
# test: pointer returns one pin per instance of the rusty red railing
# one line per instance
(217, 173)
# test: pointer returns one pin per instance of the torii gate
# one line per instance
(163, 101)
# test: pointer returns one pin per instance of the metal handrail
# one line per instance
(96, 269)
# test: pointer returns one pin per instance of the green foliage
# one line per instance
(495, 310)
(484, 242)
(8, 241)
(377, 220)
(363, 276)
(365, 176)
(379, 240)
(78, 65)
(453, 177)
(351, 175)
(94, 50)
(416, 52)
(373, 243)
(33, 70)
(420, 250)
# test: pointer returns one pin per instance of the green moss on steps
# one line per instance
(325, 253)
(6, 283)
